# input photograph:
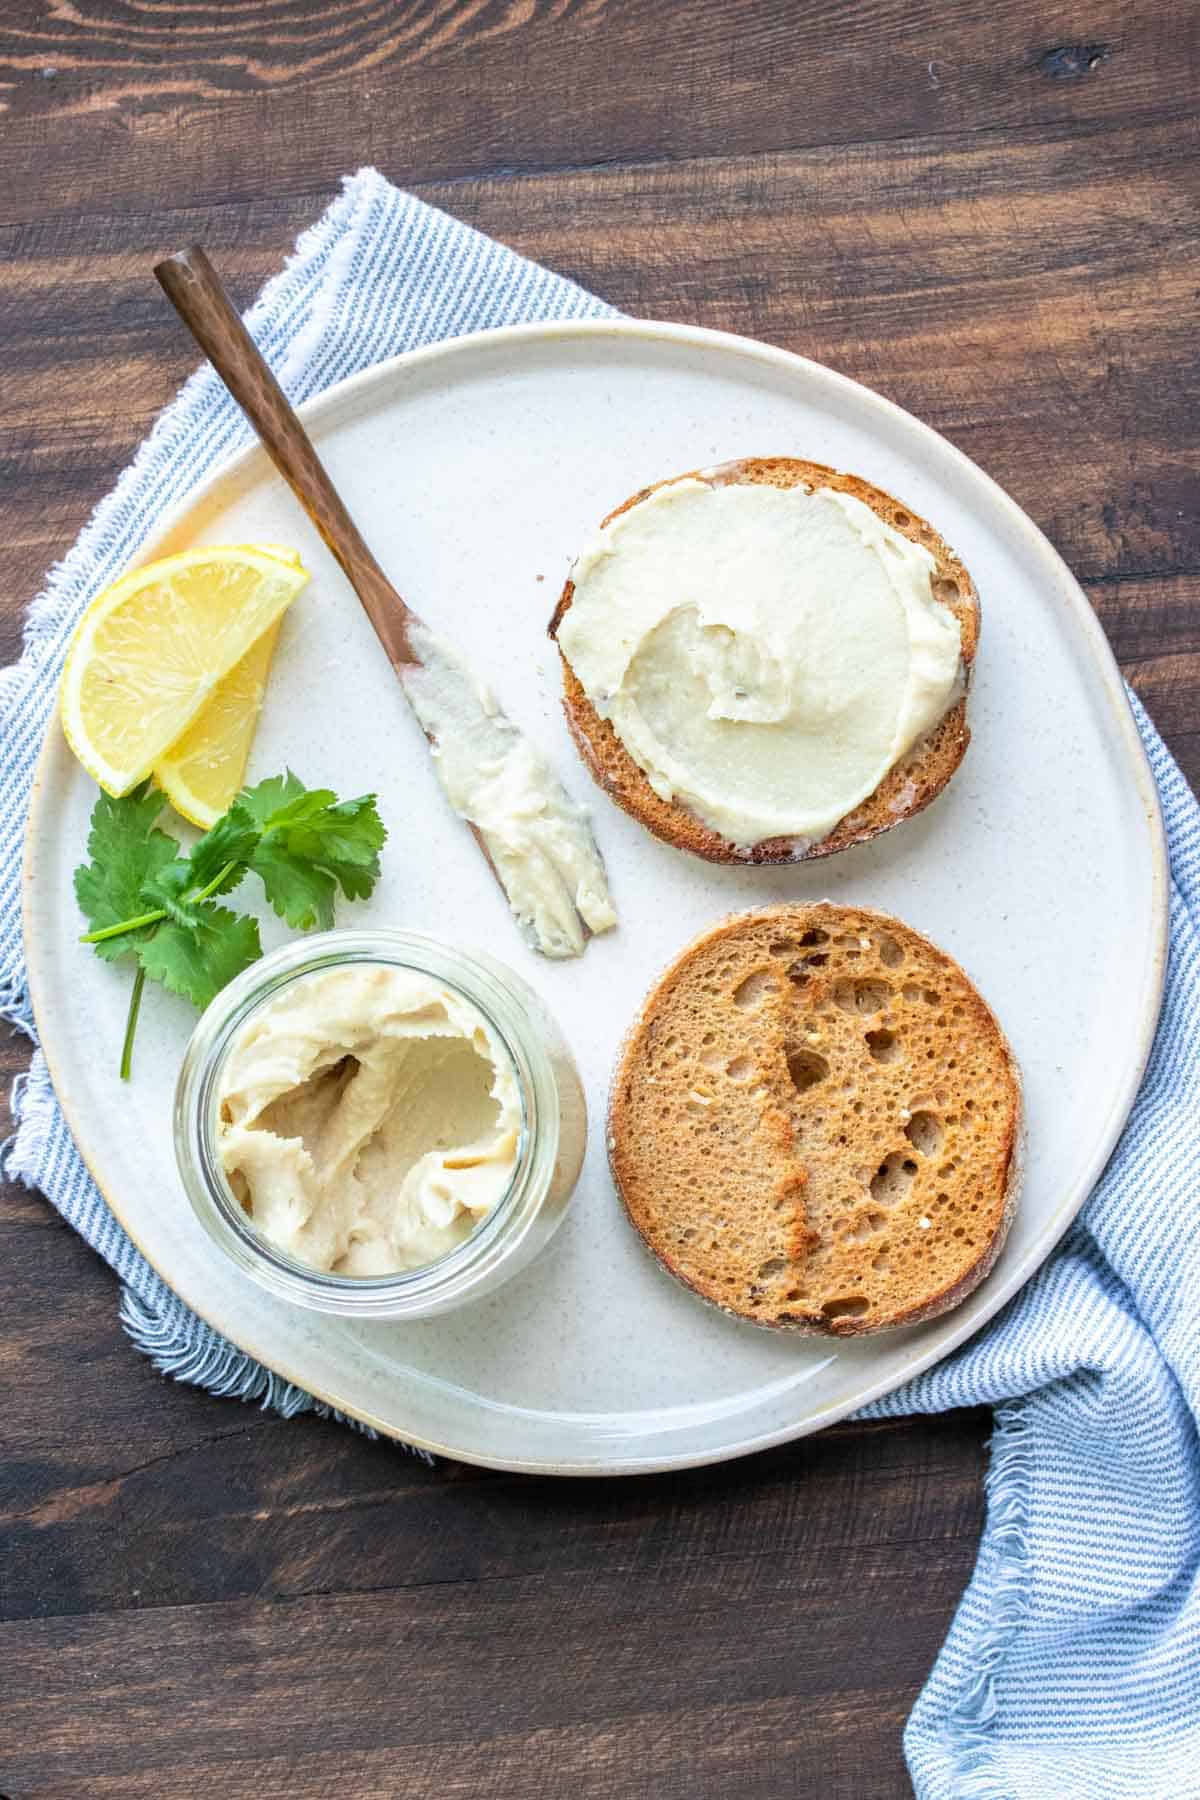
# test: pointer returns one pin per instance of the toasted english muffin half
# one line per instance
(906, 789)
(815, 1122)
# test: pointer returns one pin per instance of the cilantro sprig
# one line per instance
(145, 897)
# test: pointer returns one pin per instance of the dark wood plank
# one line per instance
(770, 1676)
(1154, 627)
(128, 102)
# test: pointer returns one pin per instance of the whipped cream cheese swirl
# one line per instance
(765, 654)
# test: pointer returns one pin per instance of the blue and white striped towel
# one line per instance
(1072, 1670)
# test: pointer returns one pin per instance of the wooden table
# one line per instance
(971, 209)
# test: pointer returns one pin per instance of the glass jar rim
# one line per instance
(472, 975)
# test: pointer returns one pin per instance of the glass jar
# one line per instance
(549, 1151)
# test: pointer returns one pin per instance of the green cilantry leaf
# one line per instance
(301, 893)
(198, 960)
(168, 890)
(216, 865)
(142, 895)
(274, 798)
(312, 844)
(224, 851)
(127, 852)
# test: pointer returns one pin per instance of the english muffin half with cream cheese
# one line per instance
(768, 661)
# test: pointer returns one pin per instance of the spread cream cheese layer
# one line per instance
(539, 840)
(765, 654)
(369, 1118)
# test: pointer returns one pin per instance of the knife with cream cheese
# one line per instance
(537, 838)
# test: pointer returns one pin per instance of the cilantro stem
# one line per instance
(111, 931)
(159, 913)
(220, 876)
(135, 1007)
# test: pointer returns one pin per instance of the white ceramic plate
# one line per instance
(476, 468)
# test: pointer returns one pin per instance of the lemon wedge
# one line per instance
(150, 652)
(203, 771)
(201, 774)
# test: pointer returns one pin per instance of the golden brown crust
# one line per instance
(815, 1122)
(904, 790)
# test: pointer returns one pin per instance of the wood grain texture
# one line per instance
(225, 103)
(992, 217)
(710, 1679)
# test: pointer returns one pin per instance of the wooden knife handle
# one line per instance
(194, 289)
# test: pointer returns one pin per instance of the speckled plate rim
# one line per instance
(1103, 669)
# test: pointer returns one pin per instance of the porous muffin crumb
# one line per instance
(814, 1122)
